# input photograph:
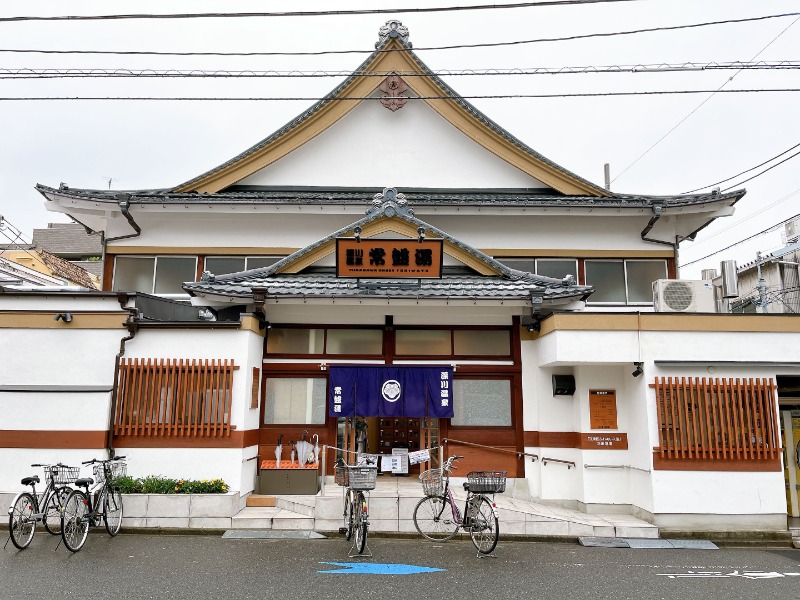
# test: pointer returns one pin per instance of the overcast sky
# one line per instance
(150, 144)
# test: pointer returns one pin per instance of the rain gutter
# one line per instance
(133, 326)
(658, 209)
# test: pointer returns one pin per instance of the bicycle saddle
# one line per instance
(85, 482)
(30, 480)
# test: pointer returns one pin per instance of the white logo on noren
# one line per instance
(390, 390)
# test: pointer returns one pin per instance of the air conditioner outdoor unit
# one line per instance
(684, 295)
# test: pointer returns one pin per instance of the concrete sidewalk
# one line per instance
(391, 508)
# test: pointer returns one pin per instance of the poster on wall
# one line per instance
(603, 409)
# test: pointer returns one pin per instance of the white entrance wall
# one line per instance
(57, 377)
(726, 500)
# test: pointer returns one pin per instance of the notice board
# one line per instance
(603, 409)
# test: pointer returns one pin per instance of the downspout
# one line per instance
(124, 201)
(658, 209)
(133, 326)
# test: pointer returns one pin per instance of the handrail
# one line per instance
(616, 467)
(519, 454)
(546, 460)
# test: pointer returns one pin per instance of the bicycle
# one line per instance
(356, 479)
(437, 517)
(83, 509)
(28, 508)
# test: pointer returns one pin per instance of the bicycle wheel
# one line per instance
(349, 513)
(433, 518)
(113, 511)
(485, 529)
(21, 522)
(360, 524)
(52, 510)
(75, 521)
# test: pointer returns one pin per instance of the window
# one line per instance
(716, 419)
(180, 397)
(222, 265)
(295, 401)
(354, 341)
(556, 267)
(548, 267)
(295, 341)
(325, 341)
(482, 342)
(423, 342)
(623, 281)
(481, 403)
(153, 274)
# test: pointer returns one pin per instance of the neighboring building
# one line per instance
(72, 242)
(51, 267)
(770, 284)
(408, 231)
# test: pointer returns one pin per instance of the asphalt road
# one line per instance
(137, 566)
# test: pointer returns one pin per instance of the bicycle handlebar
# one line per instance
(97, 460)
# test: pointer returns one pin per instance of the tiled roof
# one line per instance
(419, 198)
(329, 286)
(423, 68)
(68, 240)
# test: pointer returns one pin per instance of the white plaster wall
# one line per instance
(719, 492)
(589, 347)
(48, 411)
(373, 146)
(243, 346)
(59, 357)
(60, 302)
(244, 226)
(15, 463)
(229, 464)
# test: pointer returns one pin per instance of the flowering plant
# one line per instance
(157, 484)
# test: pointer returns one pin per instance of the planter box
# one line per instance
(180, 510)
(281, 482)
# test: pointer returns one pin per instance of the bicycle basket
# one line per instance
(118, 469)
(432, 482)
(340, 476)
(487, 482)
(362, 477)
(61, 474)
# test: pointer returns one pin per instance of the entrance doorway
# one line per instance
(790, 432)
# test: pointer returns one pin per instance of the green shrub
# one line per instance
(157, 484)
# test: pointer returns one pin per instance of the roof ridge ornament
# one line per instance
(390, 202)
(392, 29)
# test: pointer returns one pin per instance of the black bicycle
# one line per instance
(356, 479)
(29, 508)
(83, 509)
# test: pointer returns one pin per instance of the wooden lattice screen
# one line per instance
(717, 419)
(174, 397)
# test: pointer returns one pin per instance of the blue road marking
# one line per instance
(378, 568)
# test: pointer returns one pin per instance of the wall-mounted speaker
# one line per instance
(563, 385)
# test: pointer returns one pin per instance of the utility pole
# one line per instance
(762, 286)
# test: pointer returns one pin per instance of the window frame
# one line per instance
(624, 262)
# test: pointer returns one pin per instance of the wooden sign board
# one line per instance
(604, 441)
(378, 257)
(602, 409)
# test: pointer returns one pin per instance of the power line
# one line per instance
(758, 212)
(359, 98)
(743, 172)
(696, 108)
(755, 235)
(60, 73)
(451, 47)
(762, 172)
(322, 13)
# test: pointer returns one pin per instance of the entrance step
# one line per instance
(271, 517)
(259, 500)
